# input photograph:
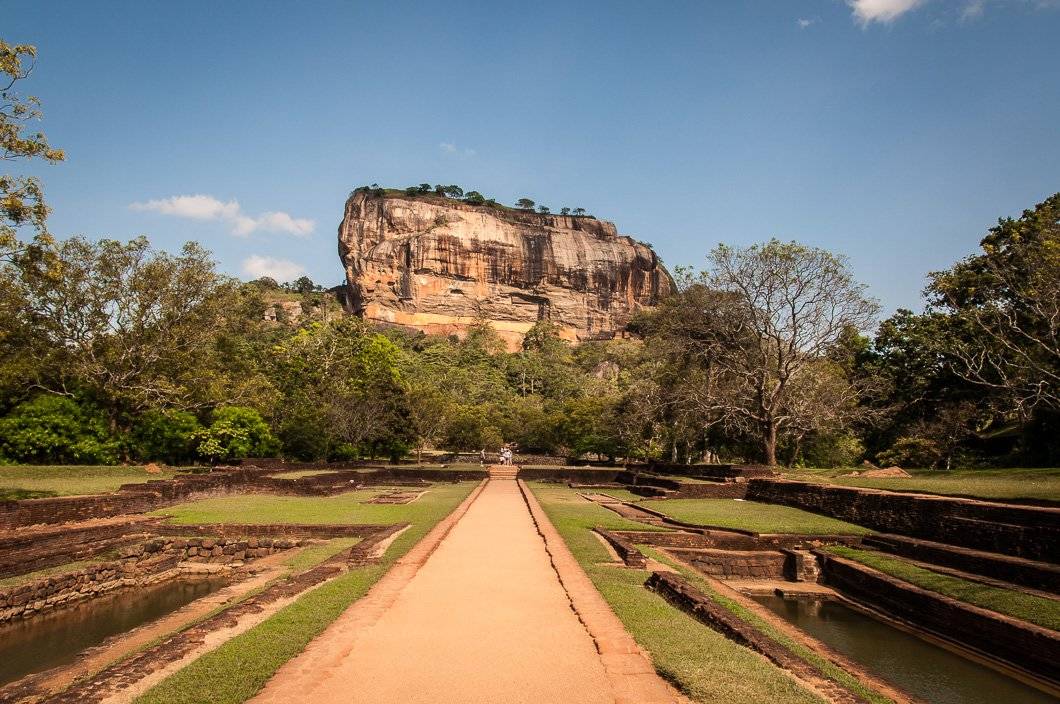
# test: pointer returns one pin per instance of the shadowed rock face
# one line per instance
(436, 265)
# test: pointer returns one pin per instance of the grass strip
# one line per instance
(1027, 607)
(1010, 484)
(752, 516)
(826, 666)
(704, 664)
(23, 481)
(256, 654)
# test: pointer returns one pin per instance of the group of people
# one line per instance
(506, 454)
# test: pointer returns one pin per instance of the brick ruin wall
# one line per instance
(1024, 531)
(145, 563)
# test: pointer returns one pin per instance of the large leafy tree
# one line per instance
(21, 197)
(135, 329)
(1007, 299)
(756, 325)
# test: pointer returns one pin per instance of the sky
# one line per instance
(895, 132)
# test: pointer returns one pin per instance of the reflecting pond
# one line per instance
(925, 670)
(55, 638)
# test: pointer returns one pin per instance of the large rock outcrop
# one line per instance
(437, 265)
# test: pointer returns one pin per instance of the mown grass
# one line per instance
(343, 508)
(701, 662)
(847, 680)
(1033, 609)
(302, 473)
(1008, 484)
(752, 516)
(238, 669)
(315, 554)
(38, 481)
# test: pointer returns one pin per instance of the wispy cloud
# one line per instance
(450, 148)
(804, 22)
(204, 207)
(257, 266)
(883, 11)
(973, 10)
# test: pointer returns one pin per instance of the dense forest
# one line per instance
(113, 351)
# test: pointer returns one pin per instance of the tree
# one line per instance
(168, 436)
(235, 433)
(429, 412)
(474, 198)
(524, 204)
(1008, 300)
(564, 211)
(765, 316)
(58, 430)
(303, 285)
(424, 188)
(137, 329)
(455, 192)
(579, 211)
(543, 209)
(21, 197)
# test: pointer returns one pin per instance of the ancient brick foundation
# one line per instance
(1025, 531)
(1023, 645)
(139, 564)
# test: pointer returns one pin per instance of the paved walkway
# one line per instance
(474, 613)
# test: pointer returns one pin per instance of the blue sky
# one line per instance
(893, 131)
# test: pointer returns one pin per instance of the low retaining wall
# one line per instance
(725, 540)
(1025, 531)
(29, 550)
(141, 564)
(1015, 570)
(682, 594)
(302, 530)
(735, 564)
(1020, 644)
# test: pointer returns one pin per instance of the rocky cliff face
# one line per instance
(436, 265)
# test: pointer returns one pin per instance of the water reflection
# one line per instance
(56, 638)
(927, 671)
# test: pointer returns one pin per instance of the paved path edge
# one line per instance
(629, 669)
(364, 612)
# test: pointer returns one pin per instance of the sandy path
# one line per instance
(484, 619)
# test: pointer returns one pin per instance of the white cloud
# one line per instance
(886, 11)
(450, 148)
(204, 207)
(804, 22)
(257, 266)
(973, 10)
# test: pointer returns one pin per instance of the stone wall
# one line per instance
(735, 564)
(1025, 531)
(29, 550)
(1021, 644)
(139, 564)
(1016, 570)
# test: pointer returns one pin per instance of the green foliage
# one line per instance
(56, 429)
(235, 433)
(524, 204)
(168, 436)
(911, 452)
(833, 450)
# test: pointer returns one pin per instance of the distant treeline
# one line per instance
(470, 197)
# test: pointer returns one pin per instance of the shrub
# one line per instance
(842, 450)
(235, 433)
(168, 436)
(911, 452)
(55, 429)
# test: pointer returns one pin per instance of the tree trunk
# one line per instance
(769, 443)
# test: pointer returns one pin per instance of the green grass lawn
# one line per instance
(752, 516)
(1038, 610)
(256, 654)
(705, 665)
(1016, 483)
(343, 508)
(38, 481)
(302, 473)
